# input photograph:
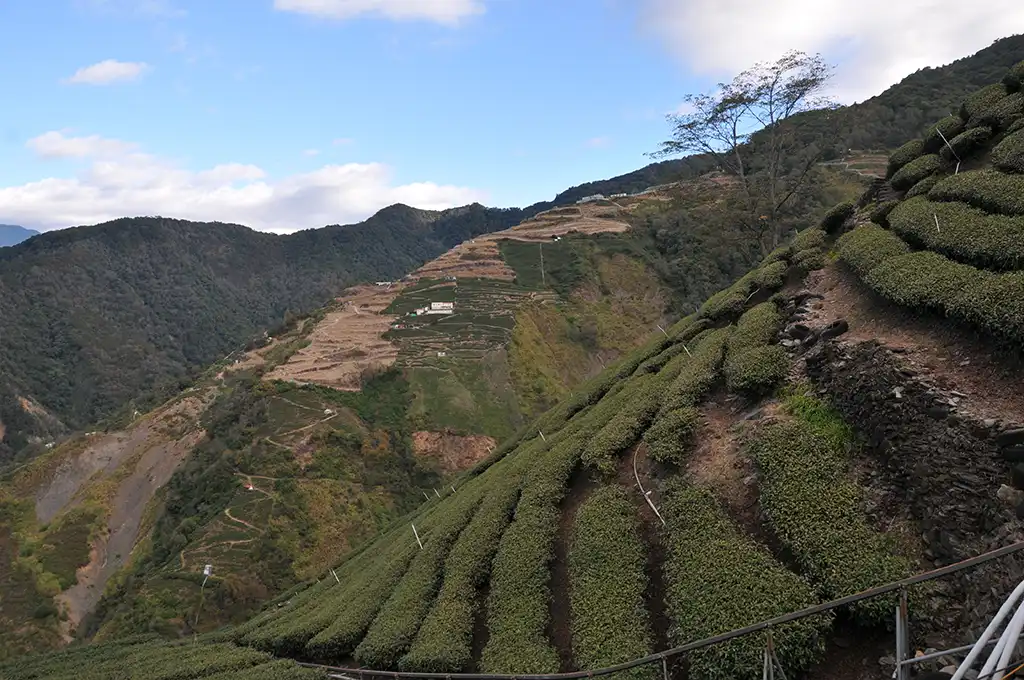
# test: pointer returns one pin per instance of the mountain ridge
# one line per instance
(12, 234)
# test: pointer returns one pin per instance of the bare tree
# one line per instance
(751, 128)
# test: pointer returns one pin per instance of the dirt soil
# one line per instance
(346, 342)
(946, 356)
(454, 452)
(153, 450)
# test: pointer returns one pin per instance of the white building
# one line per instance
(591, 199)
(441, 308)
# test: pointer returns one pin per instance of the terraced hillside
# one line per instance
(859, 393)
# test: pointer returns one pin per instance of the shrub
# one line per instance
(808, 238)
(1001, 115)
(881, 211)
(275, 670)
(607, 580)
(699, 373)
(444, 642)
(811, 259)
(966, 143)
(718, 579)
(921, 188)
(1013, 81)
(657, 363)
(672, 435)
(981, 100)
(921, 279)
(836, 217)
(639, 406)
(990, 190)
(904, 155)
(867, 246)
(949, 127)
(915, 171)
(994, 302)
(770, 276)
(964, 233)
(780, 254)
(1015, 126)
(724, 303)
(758, 326)
(1009, 153)
(394, 628)
(806, 494)
(517, 607)
(756, 371)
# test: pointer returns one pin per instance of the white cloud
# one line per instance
(109, 71)
(311, 152)
(598, 142)
(439, 11)
(153, 8)
(343, 141)
(121, 181)
(876, 42)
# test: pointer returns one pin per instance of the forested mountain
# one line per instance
(12, 234)
(92, 317)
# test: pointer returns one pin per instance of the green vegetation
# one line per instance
(808, 238)
(566, 263)
(962, 232)
(922, 279)
(904, 155)
(700, 373)
(837, 216)
(1003, 114)
(965, 144)
(444, 641)
(806, 494)
(869, 245)
(394, 628)
(915, 171)
(606, 585)
(1008, 155)
(988, 190)
(517, 607)
(718, 580)
(921, 188)
(1014, 78)
(636, 407)
(754, 363)
(673, 435)
(980, 101)
(940, 133)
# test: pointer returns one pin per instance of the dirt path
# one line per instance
(948, 357)
(227, 513)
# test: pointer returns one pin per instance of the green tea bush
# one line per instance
(915, 171)
(673, 435)
(393, 630)
(699, 374)
(990, 190)
(275, 670)
(1002, 114)
(445, 640)
(724, 303)
(770, 276)
(638, 408)
(966, 143)
(881, 211)
(758, 326)
(964, 233)
(810, 259)
(921, 188)
(517, 607)
(1013, 81)
(808, 238)
(756, 371)
(836, 217)
(922, 280)
(780, 254)
(903, 155)
(607, 579)
(949, 127)
(806, 494)
(981, 100)
(718, 579)
(1015, 126)
(1008, 155)
(993, 302)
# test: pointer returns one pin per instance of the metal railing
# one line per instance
(902, 659)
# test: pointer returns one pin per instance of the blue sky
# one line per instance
(289, 114)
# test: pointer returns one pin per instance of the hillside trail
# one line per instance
(949, 357)
(227, 513)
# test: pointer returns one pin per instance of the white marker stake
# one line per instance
(662, 329)
(417, 535)
(426, 496)
(453, 489)
(687, 351)
(542, 435)
(437, 494)
(335, 576)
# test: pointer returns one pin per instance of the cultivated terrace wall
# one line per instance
(950, 470)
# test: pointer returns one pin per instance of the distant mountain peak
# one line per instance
(12, 234)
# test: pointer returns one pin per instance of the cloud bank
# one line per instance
(118, 180)
(876, 42)
(439, 11)
(108, 72)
